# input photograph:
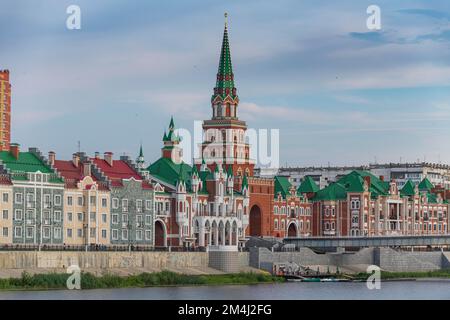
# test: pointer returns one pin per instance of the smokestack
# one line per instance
(109, 158)
(86, 169)
(15, 149)
(51, 157)
(75, 159)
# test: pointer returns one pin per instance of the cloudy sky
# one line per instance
(339, 93)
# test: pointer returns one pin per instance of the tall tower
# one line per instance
(5, 110)
(224, 140)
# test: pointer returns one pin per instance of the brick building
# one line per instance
(5, 110)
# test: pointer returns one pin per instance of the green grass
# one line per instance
(164, 278)
(444, 273)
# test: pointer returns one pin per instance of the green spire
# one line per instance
(409, 189)
(426, 185)
(230, 171)
(225, 77)
(141, 153)
(172, 124)
(165, 136)
(244, 182)
(308, 186)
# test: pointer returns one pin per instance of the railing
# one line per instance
(106, 248)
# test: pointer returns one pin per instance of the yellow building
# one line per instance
(86, 202)
(6, 210)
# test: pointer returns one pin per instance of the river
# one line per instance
(433, 289)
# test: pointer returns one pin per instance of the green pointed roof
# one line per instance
(408, 189)
(282, 185)
(171, 124)
(308, 185)
(244, 182)
(141, 152)
(230, 171)
(225, 77)
(425, 185)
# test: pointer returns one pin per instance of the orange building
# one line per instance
(5, 110)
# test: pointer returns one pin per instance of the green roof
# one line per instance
(353, 182)
(282, 185)
(409, 189)
(425, 185)
(26, 162)
(334, 191)
(308, 186)
(166, 170)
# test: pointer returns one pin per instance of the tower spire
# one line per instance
(225, 77)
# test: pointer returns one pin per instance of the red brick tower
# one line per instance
(5, 110)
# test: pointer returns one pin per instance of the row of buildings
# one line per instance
(218, 202)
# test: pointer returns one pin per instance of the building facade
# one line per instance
(131, 200)
(5, 110)
(37, 197)
(87, 202)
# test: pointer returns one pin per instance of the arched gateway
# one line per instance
(160, 234)
(255, 221)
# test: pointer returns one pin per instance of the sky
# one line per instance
(339, 93)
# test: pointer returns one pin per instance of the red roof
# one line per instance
(72, 174)
(119, 171)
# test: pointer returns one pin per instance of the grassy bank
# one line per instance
(445, 273)
(164, 278)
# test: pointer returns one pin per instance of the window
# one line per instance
(276, 224)
(5, 214)
(93, 216)
(125, 205)
(80, 233)
(139, 205)
(69, 233)
(69, 200)
(148, 204)
(104, 217)
(148, 235)
(57, 233)
(124, 234)
(30, 232)
(80, 216)
(115, 203)
(115, 234)
(92, 232)
(5, 232)
(139, 235)
(18, 198)
(80, 201)
(124, 218)
(18, 232)
(115, 218)
(93, 200)
(5, 197)
(30, 215)
(104, 202)
(69, 216)
(57, 216)
(57, 200)
(46, 200)
(104, 233)
(18, 214)
(139, 220)
(148, 219)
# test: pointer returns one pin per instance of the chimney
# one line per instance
(97, 155)
(14, 149)
(75, 159)
(86, 169)
(382, 178)
(367, 180)
(51, 157)
(109, 158)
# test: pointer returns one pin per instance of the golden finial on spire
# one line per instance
(226, 19)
